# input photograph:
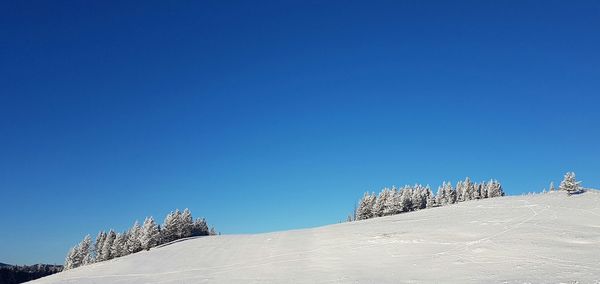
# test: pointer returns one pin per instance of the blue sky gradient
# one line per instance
(279, 115)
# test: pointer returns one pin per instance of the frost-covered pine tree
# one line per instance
(134, 235)
(81, 254)
(484, 190)
(171, 227)
(108, 244)
(469, 189)
(450, 193)
(419, 197)
(489, 188)
(365, 206)
(119, 247)
(570, 184)
(440, 196)
(460, 192)
(212, 231)
(378, 208)
(187, 224)
(446, 195)
(72, 260)
(495, 189)
(150, 236)
(100, 239)
(200, 228)
(430, 198)
(551, 188)
(85, 251)
(477, 192)
(393, 204)
(406, 202)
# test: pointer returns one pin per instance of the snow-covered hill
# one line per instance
(546, 238)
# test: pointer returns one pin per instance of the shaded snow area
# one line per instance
(545, 238)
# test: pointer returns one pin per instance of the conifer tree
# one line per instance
(85, 251)
(430, 198)
(200, 228)
(570, 184)
(72, 260)
(119, 247)
(406, 202)
(171, 227)
(440, 196)
(460, 192)
(393, 204)
(419, 198)
(100, 239)
(484, 190)
(365, 207)
(150, 236)
(133, 238)
(187, 224)
(108, 244)
(378, 208)
(469, 189)
(477, 191)
(450, 193)
(495, 189)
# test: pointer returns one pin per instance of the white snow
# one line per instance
(545, 238)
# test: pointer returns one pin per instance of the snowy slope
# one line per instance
(547, 238)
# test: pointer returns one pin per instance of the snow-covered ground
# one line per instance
(546, 238)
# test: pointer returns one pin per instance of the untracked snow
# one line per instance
(545, 238)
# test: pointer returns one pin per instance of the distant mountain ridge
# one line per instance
(12, 274)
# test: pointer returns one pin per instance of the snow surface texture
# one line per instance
(544, 238)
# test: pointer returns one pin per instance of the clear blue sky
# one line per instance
(279, 115)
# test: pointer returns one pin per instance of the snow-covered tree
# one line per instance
(150, 236)
(100, 239)
(551, 188)
(187, 224)
(419, 197)
(108, 244)
(570, 184)
(134, 236)
(451, 194)
(393, 203)
(446, 195)
(81, 254)
(440, 196)
(460, 192)
(85, 251)
(73, 258)
(378, 208)
(469, 189)
(200, 228)
(171, 228)
(484, 190)
(406, 202)
(111, 245)
(119, 247)
(365, 206)
(495, 189)
(430, 198)
(477, 192)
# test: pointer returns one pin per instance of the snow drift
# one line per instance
(541, 238)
